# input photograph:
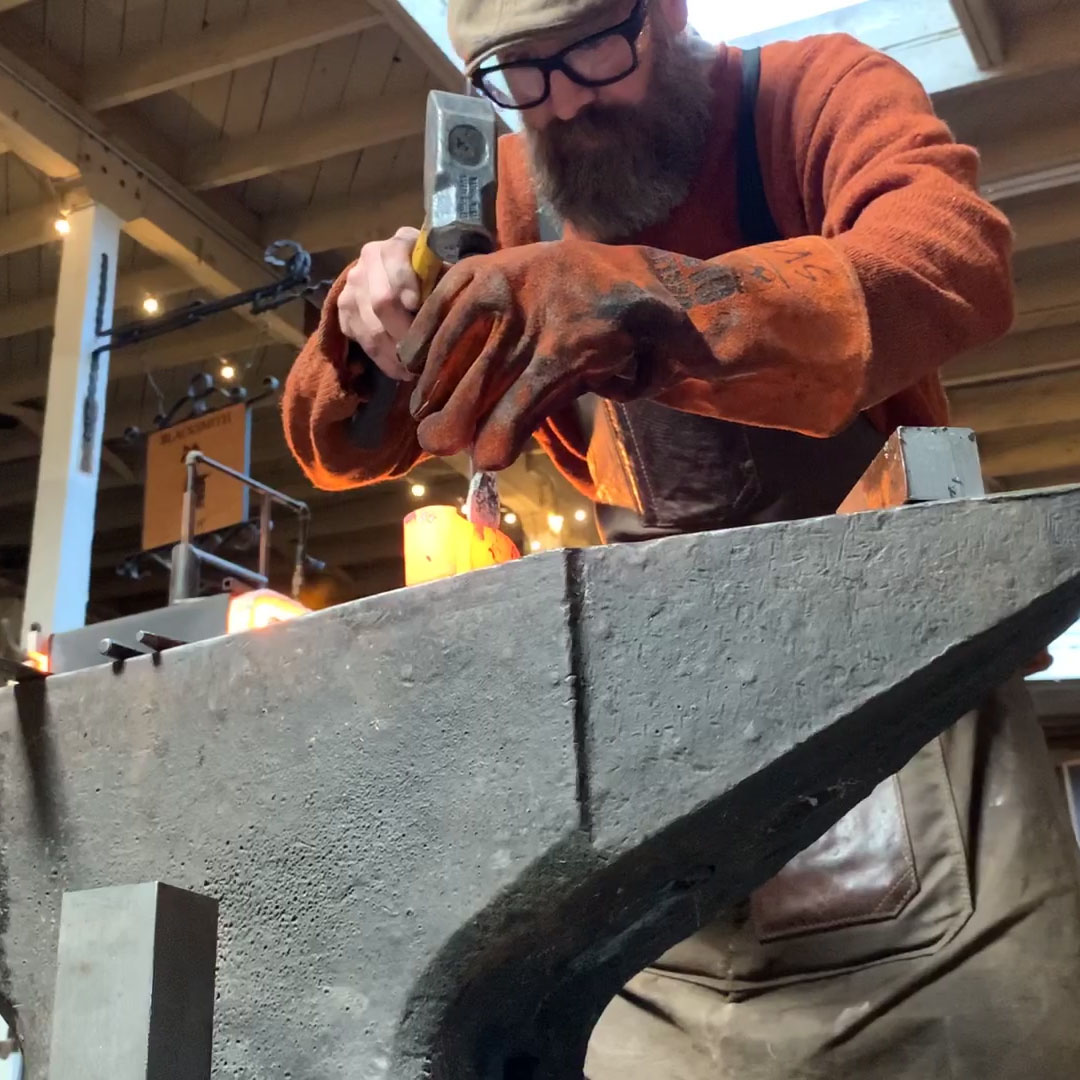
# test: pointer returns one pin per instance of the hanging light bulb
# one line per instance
(534, 545)
(581, 515)
(418, 491)
(555, 523)
(228, 372)
(510, 517)
(151, 306)
(62, 225)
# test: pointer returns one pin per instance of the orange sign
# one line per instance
(221, 501)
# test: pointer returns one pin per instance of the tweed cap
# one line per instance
(480, 28)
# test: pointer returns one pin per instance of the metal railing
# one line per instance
(187, 559)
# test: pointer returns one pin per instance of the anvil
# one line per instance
(443, 825)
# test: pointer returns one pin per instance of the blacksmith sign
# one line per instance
(220, 501)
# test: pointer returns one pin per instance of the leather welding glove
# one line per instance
(775, 335)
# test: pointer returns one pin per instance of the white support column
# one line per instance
(58, 579)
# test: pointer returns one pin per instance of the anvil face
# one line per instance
(445, 824)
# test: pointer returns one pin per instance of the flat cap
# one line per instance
(480, 28)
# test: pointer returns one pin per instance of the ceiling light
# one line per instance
(228, 371)
(581, 515)
(62, 225)
(534, 545)
(555, 523)
(418, 491)
(151, 306)
(510, 517)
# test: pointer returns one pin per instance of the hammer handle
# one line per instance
(368, 424)
(426, 264)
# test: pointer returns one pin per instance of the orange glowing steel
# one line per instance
(259, 608)
(38, 660)
(440, 543)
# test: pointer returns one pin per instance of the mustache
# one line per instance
(591, 123)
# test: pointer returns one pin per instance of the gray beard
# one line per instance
(612, 171)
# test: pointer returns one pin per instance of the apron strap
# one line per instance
(756, 222)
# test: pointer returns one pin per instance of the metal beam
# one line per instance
(59, 137)
(58, 578)
(350, 222)
(131, 289)
(313, 138)
(982, 29)
(222, 47)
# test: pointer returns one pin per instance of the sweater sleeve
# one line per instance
(323, 391)
(880, 176)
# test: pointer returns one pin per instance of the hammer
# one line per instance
(460, 183)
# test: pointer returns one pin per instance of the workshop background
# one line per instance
(262, 120)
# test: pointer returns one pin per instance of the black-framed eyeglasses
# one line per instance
(600, 59)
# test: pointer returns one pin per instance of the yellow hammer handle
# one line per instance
(426, 264)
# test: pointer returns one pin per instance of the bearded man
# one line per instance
(723, 278)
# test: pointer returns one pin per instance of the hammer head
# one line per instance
(460, 175)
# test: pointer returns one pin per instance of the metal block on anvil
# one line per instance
(444, 824)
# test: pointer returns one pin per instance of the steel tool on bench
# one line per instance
(445, 824)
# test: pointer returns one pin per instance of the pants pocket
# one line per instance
(862, 870)
(888, 881)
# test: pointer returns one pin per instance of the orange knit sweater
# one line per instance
(851, 151)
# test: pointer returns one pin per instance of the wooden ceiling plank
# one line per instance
(1017, 355)
(224, 47)
(28, 229)
(350, 222)
(1030, 450)
(305, 141)
(1016, 403)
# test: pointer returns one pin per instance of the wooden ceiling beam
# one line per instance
(1018, 355)
(1038, 158)
(982, 29)
(1045, 219)
(422, 26)
(353, 127)
(26, 229)
(222, 47)
(1044, 478)
(1024, 451)
(132, 288)
(350, 222)
(1047, 299)
(63, 140)
(1018, 403)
